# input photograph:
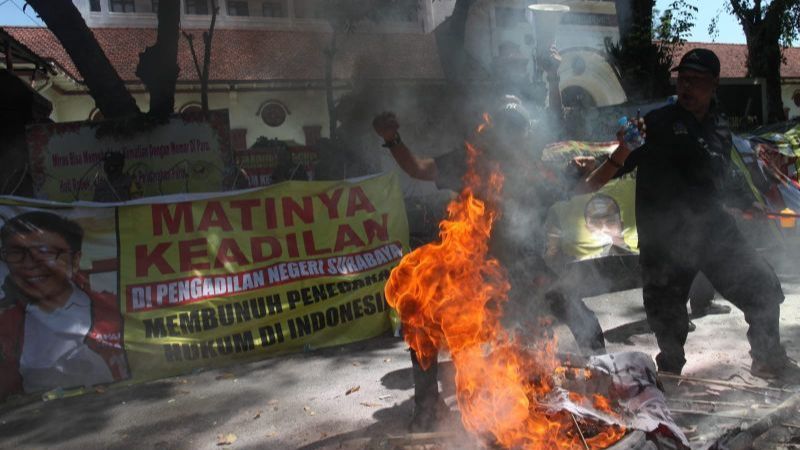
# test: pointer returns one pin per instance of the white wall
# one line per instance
(305, 107)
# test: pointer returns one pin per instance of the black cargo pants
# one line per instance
(735, 270)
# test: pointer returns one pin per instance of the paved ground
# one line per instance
(301, 401)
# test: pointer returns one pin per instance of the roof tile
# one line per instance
(260, 55)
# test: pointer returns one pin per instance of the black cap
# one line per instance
(701, 60)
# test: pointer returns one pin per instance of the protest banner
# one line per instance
(190, 153)
(162, 287)
(593, 225)
(590, 225)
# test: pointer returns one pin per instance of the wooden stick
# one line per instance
(580, 432)
(744, 439)
(715, 403)
(691, 412)
(722, 383)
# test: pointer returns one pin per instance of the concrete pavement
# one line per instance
(302, 402)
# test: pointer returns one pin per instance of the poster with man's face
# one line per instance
(60, 323)
(593, 225)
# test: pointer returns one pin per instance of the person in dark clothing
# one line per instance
(685, 188)
(517, 237)
(116, 186)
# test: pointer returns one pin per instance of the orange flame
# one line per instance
(450, 295)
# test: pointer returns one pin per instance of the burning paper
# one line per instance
(450, 295)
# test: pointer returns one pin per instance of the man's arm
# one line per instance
(603, 174)
(551, 66)
(387, 126)
(619, 163)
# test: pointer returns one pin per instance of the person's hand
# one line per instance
(621, 134)
(583, 165)
(386, 125)
(552, 62)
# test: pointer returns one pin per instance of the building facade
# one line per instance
(268, 56)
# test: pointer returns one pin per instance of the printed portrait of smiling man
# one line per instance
(42, 252)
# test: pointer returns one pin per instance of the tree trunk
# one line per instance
(158, 65)
(624, 10)
(764, 53)
(208, 37)
(450, 36)
(105, 85)
(634, 18)
(330, 54)
(643, 65)
(772, 76)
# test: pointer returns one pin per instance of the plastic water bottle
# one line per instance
(632, 135)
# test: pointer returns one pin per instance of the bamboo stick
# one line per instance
(721, 414)
(723, 383)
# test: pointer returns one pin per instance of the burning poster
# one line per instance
(450, 296)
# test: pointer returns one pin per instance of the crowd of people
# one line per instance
(684, 204)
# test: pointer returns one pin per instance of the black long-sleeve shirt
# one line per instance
(685, 176)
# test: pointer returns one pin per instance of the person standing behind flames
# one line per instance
(516, 241)
(684, 184)
(54, 331)
(116, 186)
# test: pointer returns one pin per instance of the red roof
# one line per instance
(269, 55)
(733, 59)
(261, 55)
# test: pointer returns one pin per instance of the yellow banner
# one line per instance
(165, 287)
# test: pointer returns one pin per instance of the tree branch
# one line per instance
(190, 38)
(158, 64)
(104, 83)
(208, 36)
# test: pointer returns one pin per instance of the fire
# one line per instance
(450, 295)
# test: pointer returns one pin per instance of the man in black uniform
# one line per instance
(517, 238)
(683, 186)
(116, 186)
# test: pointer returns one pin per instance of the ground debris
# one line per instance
(226, 439)
(258, 414)
(308, 410)
(226, 376)
(352, 390)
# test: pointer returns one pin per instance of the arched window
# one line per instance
(96, 115)
(577, 97)
(273, 113)
(191, 108)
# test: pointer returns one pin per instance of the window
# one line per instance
(238, 8)
(123, 6)
(398, 11)
(273, 113)
(199, 7)
(307, 9)
(95, 115)
(273, 9)
(94, 5)
(154, 4)
(191, 108)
